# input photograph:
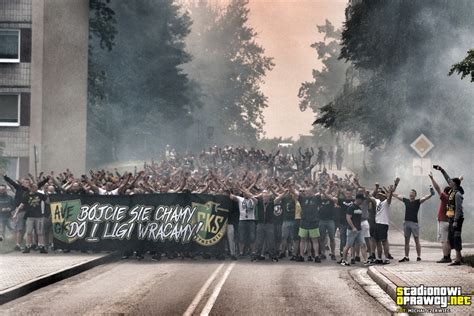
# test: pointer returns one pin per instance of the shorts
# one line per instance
(287, 230)
(381, 232)
(247, 232)
(411, 228)
(365, 227)
(19, 223)
(36, 223)
(454, 235)
(354, 238)
(327, 228)
(443, 231)
(311, 233)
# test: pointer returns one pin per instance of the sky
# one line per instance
(286, 29)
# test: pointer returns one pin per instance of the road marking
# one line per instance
(201, 292)
(215, 293)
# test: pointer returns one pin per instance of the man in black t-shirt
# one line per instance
(343, 202)
(410, 225)
(354, 230)
(33, 205)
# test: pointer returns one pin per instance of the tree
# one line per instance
(465, 67)
(230, 67)
(400, 50)
(102, 33)
(328, 82)
(150, 100)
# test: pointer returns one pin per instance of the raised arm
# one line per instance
(435, 184)
(398, 197)
(425, 198)
(445, 175)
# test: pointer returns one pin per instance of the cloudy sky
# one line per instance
(286, 29)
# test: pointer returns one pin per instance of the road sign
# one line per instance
(422, 145)
(421, 166)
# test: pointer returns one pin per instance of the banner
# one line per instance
(158, 222)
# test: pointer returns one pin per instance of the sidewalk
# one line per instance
(427, 272)
(21, 274)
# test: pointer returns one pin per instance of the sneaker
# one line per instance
(418, 259)
(124, 257)
(368, 263)
(233, 258)
(42, 250)
(444, 260)
(310, 259)
(353, 261)
(139, 257)
(17, 248)
(386, 261)
(156, 257)
(378, 261)
(259, 257)
(340, 261)
(322, 257)
(404, 259)
(390, 257)
(275, 259)
(317, 260)
(294, 258)
(299, 259)
(345, 263)
(26, 250)
(333, 257)
(455, 263)
(357, 259)
(34, 247)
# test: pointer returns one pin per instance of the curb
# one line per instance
(374, 290)
(385, 284)
(48, 279)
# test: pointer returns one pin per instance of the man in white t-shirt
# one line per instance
(384, 199)
(108, 190)
(247, 205)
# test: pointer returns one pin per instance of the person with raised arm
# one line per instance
(410, 224)
(455, 214)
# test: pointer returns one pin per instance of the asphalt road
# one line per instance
(174, 287)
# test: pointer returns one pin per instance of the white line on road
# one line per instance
(215, 293)
(201, 292)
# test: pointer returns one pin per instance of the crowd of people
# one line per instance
(285, 205)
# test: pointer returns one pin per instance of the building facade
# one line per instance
(15, 83)
(43, 84)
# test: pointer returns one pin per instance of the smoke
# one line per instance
(439, 106)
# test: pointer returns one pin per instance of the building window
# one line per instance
(9, 46)
(9, 110)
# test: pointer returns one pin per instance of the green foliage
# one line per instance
(145, 100)
(329, 81)
(229, 66)
(465, 67)
(401, 50)
(102, 33)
